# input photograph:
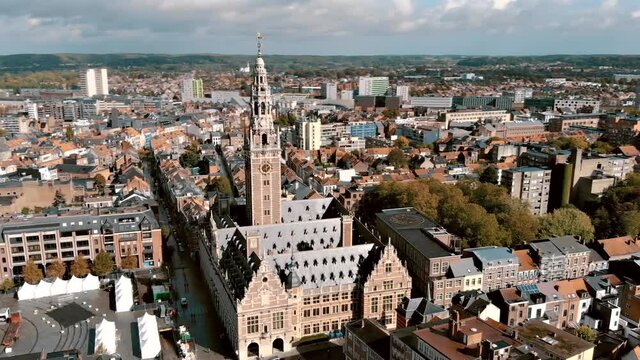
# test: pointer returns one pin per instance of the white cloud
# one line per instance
(501, 4)
(635, 14)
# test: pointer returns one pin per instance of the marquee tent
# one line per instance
(149, 336)
(124, 294)
(106, 337)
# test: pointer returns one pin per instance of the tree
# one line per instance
(3, 132)
(401, 142)
(166, 230)
(222, 185)
(56, 269)
(190, 157)
(617, 212)
(25, 211)
(79, 267)
(586, 333)
(7, 284)
(601, 147)
(489, 175)
(103, 264)
(100, 182)
(69, 134)
(390, 113)
(567, 221)
(32, 274)
(569, 142)
(58, 199)
(129, 262)
(397, 159)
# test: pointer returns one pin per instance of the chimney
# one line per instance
(454, 324)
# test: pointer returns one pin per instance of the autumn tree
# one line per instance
(397, 159)
(567, 221)
(25, 211)
(100, 182)
(129, 262)
(32, 273)
(103, 264)
(586, 333)
(56, 269)
(222, 185)
(7, 284)
(69, 134)
(401, 142)
(80, 267)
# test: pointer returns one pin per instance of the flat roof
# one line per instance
(553, 340)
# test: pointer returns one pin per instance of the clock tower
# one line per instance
(262, 149)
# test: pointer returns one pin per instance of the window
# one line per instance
(439, 285)
(252, 324)
(374, 305)
(267, 212)
(345, 296)
(325, 298)
(266, 197)
(449, 284)
(387, 302)
(387, 284)
(265, 182)
(316, 299)
(316, 312)
(388, 267)
(325, 310)
(436, 268)
(345, 307)
(316, 328)
(278, 321)
(306, 313)
(325, 326)
(306, 329)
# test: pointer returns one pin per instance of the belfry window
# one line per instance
(264, 139)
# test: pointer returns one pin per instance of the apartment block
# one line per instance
(373, 86)
(308, 133)
(561, 258)
(44, 239)
(468, 117)
(577, 105)
(531, 185)
(499, 266)
(94, 82)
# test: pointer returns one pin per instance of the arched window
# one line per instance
(264, 108)
(264, 139)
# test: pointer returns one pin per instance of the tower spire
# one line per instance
(259, 39)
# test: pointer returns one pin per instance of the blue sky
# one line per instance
(321, 27)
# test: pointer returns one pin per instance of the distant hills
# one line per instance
(47, 62)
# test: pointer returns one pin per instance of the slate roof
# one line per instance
(320, 268)
(464, 267)
(494, 255)
(304, 210)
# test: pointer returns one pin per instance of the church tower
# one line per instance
(262, 148)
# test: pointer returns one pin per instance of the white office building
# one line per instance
(31, 109)
(94, 82)
(521, 94)
(308, 134)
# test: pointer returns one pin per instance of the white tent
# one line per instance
(58, 287)
(106, 337)
(90, 282)
(74, 285)
(124, 294)
(27, 292)
(43, 289)
(149, 336)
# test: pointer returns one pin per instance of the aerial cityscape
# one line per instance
(215, 192)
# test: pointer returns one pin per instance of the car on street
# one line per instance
(184, 302)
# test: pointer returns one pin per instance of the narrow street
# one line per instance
(199, 314)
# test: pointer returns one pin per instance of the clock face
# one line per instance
(265, 168)
(407, 219)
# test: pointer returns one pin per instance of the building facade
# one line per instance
(531, 185)
(373, 86)
(308, 133)
(329, 91)
(94, 82)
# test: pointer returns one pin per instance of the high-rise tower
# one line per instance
(262, 147)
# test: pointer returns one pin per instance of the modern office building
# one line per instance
(432, 102)
(44, 239)
(531, 185)
(473, 116)
(561, 123)
(94, 82)
(308, 133)
(192, 89)
(521, 94)
(363, 129)
(402, 91)
(477, 102)
(329, 91)
(31, 109)
(70, 110)
(373, 86)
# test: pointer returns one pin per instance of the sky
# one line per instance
(322, 27)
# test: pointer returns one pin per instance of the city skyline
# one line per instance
(430, 27)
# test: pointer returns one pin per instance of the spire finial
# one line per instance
(259, 38)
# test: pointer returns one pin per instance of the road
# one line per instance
(199, 315)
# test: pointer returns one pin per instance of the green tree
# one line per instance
(601, 147)
(103, 264)
(100, 182)
(58, 199)
(79, 267)
(616, 212)
(401, 142)
(69, 134)
(3, 132)
(190, 157)
(56, 269)
(25, 211)
(567, 221)
(32, 273)
(586, 333)
(569, 142)
(390, 113)
(489, 175)
(397, 159)
(631, 222)
(7, 284)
